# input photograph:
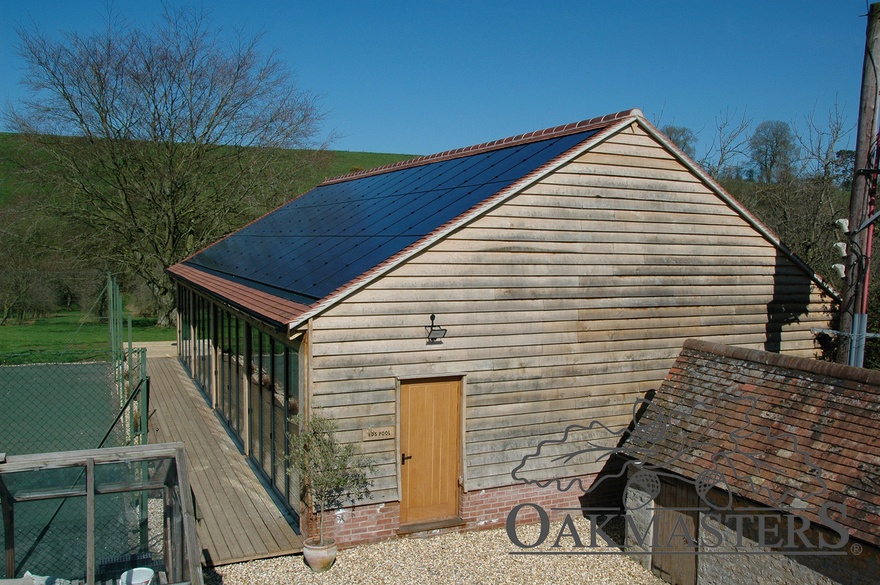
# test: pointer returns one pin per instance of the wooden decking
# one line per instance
(237, 518)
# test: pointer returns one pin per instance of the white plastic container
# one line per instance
(139, 576)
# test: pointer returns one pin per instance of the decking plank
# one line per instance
(227, 489)
(205, 472)
(214, 527)
(236, 535)
(239, 521)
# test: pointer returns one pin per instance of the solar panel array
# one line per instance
(336, 232)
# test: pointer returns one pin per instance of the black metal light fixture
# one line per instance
(434, 333)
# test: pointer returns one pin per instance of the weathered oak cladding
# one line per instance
(564, 304)
(623, 321)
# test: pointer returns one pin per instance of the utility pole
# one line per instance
(854, 308)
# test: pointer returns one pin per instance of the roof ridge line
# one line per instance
(791, 362)
(533, 136)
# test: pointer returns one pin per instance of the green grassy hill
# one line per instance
(346, 162)
(19, 199)
(9, 184)
(341, 162)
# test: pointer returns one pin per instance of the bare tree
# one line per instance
(159, 140)
(800, 198)
(728, 143)
(26, 280)
(802, 213)
(820, 145)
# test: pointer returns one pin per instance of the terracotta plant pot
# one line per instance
(319, 557)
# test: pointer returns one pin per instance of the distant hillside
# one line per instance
(342, 162)
(348, 162)
(8, 182)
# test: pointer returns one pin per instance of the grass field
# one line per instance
(346, 162)
(70, 335)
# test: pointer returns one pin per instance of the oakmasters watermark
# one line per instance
(703, 491)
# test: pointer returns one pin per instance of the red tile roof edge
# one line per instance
(533, 136)
(268, 306)
(814, 366)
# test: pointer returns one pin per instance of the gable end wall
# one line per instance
(563, 305)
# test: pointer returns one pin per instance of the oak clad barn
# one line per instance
(792, 446)
(563, 269)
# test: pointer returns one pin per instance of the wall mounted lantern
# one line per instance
(434, 333)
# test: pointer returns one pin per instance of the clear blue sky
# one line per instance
(423, 76)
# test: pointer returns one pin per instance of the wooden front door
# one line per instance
(430, 450)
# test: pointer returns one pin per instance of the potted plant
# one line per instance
(330, 473)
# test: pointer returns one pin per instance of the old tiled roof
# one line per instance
(784, 431)
(346, 229)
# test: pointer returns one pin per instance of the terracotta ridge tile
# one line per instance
(525, 138)
(786, 361)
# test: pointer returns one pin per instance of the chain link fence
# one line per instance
(69, 406)
(56, 403)
(75, 399)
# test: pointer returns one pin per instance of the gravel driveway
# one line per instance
(465, 557)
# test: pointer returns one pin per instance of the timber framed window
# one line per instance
(250, 377)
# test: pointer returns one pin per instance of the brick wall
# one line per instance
(479, 509)
(358, 524)
(489, 508)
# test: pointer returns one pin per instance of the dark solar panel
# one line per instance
(337, 232)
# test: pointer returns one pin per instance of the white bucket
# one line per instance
(139, 576)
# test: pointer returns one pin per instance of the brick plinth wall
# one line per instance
(489, 508)
(479, 509)
(358, 524)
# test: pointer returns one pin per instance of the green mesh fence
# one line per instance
(56, 407)
(67, 406)
(59, 404)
